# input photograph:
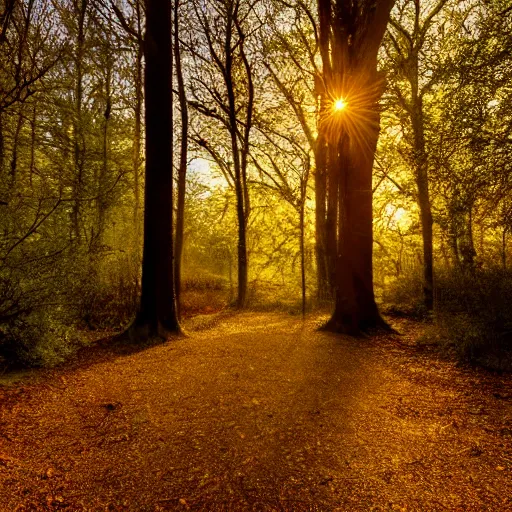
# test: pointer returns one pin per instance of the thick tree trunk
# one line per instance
(349, 38)
(332, 215)
(157, 316)
(361, 226)
(344, 317)
(182, 170)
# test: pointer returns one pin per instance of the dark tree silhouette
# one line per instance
(350, 36)
(157, 315)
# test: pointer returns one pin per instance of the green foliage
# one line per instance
(474, 314)
(404, 296)
(37, 339)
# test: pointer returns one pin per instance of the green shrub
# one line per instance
(203, 282)
(404, 296)
(36, 340)
(473, 312)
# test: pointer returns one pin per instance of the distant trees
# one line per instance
(278, 106)
(445, 87)
(222, 87)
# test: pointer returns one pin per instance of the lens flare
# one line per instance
(340, 104)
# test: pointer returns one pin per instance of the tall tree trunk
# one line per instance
(422, 182)
(302, 255)
(332, 216)
(157, 316)
(33, 123)
(350, 35)
(504, 248)
(101, 202)
(240, 191)
(323, 286)
(361, 226)
(344, 318)
(2, 143)
(78, 134)
(15, 143)
(136, 160)
(182, 170)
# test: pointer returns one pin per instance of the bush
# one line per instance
(203, 282)
(204, 293)
(473, 312)
(36, 340)
(404, 296)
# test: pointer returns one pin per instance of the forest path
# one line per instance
(263, 412)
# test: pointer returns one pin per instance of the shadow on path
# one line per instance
(262, 413)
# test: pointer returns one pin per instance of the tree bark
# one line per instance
(157, 315)
(182, 170)
(33, 124)
(101, 202)
(2, 143)
(323, 285)
(422, 182)
(350, 36)
(78, 135)
(302, 255)
(137, 134)
(240, 173)
(15, 142)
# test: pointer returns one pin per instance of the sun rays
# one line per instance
(354, 113)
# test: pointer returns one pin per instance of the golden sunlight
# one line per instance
(340, 104)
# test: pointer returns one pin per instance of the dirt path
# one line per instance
(261, 413)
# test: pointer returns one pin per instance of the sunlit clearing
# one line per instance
(398, 217)
(340, 104)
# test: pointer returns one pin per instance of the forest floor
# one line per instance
(260, 412)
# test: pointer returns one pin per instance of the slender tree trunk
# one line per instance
(422, 182)
(302, 255)
(453, 241)
(78, 135)
(239, 172)
(101, 202)
(2, 143)
(136, 160)
(504, 248)
(157, 316)
(323, 286)
(242, 249)
(182, 170)
(33, 123)
(15, 143)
